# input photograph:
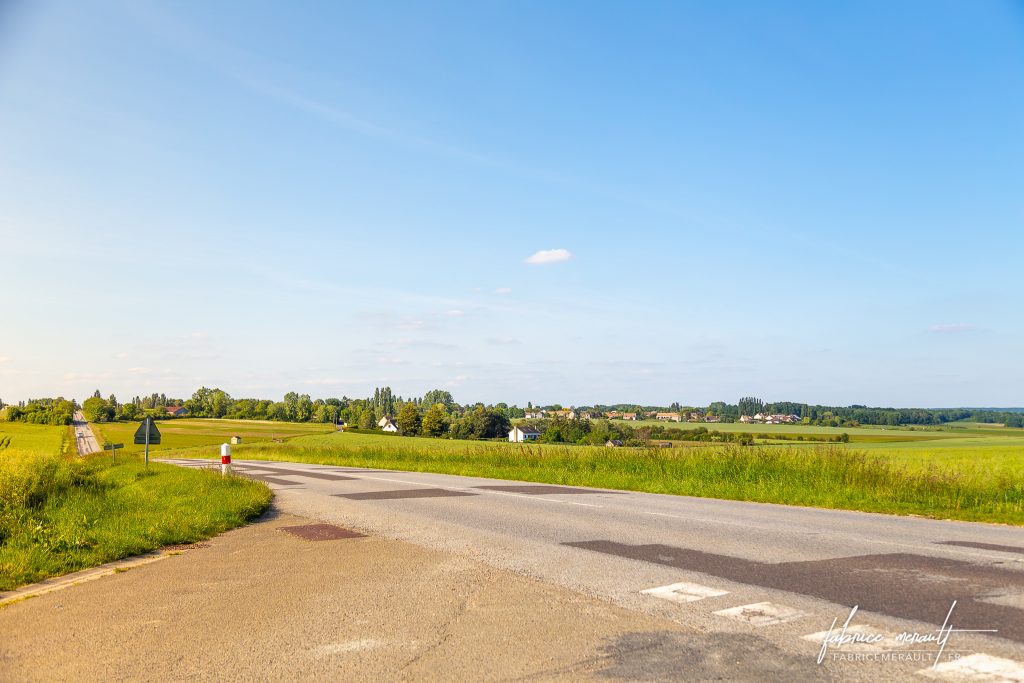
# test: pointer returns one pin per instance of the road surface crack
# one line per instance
(446, 628)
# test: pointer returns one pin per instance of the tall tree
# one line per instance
(435, 421)
(409, 419)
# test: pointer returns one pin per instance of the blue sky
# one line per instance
(803, 201)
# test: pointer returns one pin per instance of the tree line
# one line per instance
(45, 411)
(455, 419)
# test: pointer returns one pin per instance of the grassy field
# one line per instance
(17, 436)
(192, 433)
(833, 476)
(60, 513)
(810, 432)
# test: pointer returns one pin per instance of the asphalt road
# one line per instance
(761, 583)
(268, 603)
(85, 440)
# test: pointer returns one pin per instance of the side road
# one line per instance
(262, 603)
(85, 440)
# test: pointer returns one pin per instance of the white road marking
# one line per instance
(684, 592)
(762, 614)
(977, 667)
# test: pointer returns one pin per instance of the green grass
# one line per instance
(979, 460)
(818, 476)
(60, 514)
(192, 433)
(31, 437)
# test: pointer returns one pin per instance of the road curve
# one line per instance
(773, 575)
(85, 440)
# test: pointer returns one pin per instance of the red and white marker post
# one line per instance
(225, 459)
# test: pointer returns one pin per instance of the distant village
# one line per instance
(526, 432)
(571, 414)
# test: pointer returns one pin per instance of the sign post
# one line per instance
(225, 459)
(113, 450)
(147, 433)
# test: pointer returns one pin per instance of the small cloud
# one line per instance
(5, 359)
(502, 341)
(152, 372)
(454, 313)
(86, 376)
(424, 344)
(549, 256)
(951, 328)
(121, 354)
(200, 335)
(503, 290)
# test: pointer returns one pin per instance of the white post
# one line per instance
(225, 459)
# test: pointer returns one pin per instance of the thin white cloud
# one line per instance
(86, 376)
(5, 359)
(951, 328)
(549, 256)
(503, 290)
(455, 313)
(502, 341)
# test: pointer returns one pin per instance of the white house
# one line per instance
(523, 433)
(389, 425)
(383, 421)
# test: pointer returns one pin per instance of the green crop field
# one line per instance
(18, 436)
(192, 433)
(798, 429)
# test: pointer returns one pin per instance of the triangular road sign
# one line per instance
(154, 433)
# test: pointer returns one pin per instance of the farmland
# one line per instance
(981, 450)
(808, 432)
(19, 436)
(193, 433)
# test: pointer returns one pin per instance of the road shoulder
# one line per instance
(260, 602)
